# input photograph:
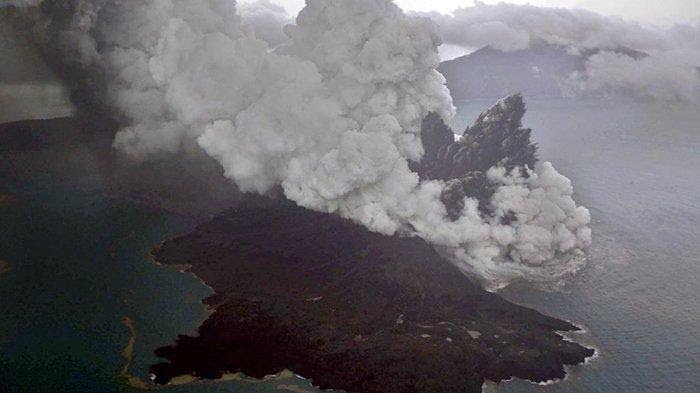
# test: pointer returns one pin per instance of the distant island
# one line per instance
(539, 71)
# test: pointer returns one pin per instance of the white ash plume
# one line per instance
(547, 233)
(663, 78)
(333, 117)
(267, 20)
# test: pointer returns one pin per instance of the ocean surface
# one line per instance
(637, 168)
(79, 265)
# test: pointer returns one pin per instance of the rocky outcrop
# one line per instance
(497, 138)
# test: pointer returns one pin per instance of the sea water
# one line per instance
(79, 265)
(637, 168)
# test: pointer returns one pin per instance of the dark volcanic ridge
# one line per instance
(350, 310)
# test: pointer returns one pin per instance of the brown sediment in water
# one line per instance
(128, 351)
(5, 267)
(128, 355)
(8, 199)
(115, 244)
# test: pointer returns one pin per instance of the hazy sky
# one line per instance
(659, 12)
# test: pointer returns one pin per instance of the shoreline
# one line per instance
(492, 387)
(210, 251)
(488, 387)
(208, 309)
(583, 331)
(138, 383)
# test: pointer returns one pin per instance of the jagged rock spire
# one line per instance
(497, 138)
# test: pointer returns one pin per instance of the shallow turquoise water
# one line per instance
(79, 265)
(636, 167)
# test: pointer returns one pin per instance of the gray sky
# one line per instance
(658, 12)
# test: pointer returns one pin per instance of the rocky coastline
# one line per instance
(349, 309)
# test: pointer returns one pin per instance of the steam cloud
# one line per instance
(20, 3)
(267, 20)
(332, 117)
(670, 73)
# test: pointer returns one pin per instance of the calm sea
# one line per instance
(637, 168)
(79, 266)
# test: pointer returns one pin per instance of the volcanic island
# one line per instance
(357, 311)
(313, 293)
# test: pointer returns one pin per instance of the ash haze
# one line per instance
(29, 89)
(644, 11)
(332, 117)
(671, 39)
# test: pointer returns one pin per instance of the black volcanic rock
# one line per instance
(350, 309)
(436, 137)
(497, 138)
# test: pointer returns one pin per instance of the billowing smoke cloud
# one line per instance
(662, 78)
(546, 215)
(267, 21)
(512, 27)
(670, 72)
(332, 118)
